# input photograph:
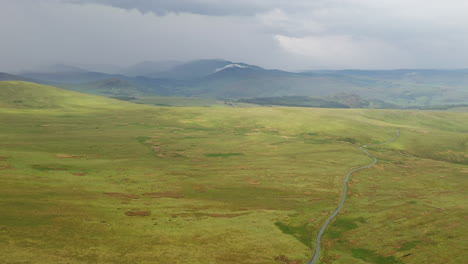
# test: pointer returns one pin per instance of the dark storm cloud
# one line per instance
(204, 7)
(293, 34)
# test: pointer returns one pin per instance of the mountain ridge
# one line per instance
(225, 79)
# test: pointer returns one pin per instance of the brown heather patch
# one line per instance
(253, 181)
(4, 158)
(138, 213)
(201, 188)
(164, 195)
(197, 215)
(68, 156)
(122, 195)
(379, 167)
(282, 259)
(316, 199)
(79, 173)
(6, 166)
(225, 215)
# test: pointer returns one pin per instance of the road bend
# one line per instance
(344, 194)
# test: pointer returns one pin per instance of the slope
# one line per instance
(107, 87)
(221, 185)
(18, 94)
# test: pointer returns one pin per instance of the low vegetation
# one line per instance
(86, 179)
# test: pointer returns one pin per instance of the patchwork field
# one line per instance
(94, 180)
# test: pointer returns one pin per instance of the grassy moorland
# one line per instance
(187, 102)
(85, 179)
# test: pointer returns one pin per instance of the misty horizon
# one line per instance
(117, 69)
(292, 36)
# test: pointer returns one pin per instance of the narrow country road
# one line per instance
(343, 197)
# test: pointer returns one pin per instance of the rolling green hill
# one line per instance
(114, 182)
(340, 100)
(17, 94)
(184, 101)
(106, 87)
(298, 101)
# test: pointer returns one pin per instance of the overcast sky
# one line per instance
(284, 34)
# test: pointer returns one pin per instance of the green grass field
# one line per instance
(173, 101)
(97, 180)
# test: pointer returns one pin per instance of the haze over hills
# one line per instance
(224, 79)
(11, 77)
(148, 68)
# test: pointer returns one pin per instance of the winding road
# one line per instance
(343, 197)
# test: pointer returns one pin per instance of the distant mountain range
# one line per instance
(235, 80)
(11, 77)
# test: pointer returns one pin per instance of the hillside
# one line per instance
(69, 76)
(297, 101)
(191, 70)
(226, 185)
(106, 87)
(18, 94)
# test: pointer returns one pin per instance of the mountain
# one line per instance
(18, 94)
(192, 70)
(224, 79)
(455, 77)
(104, 68)
(69, 76)
(149, 68)
(252, 81)
(10, 77)
(60, 68)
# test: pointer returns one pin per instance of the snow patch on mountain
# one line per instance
(231, 66)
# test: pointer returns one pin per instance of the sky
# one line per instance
(283, 34)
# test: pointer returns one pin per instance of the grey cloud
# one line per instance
(204, 7)
(294, 34)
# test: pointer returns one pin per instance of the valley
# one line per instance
(233, 132)
(90, 179)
